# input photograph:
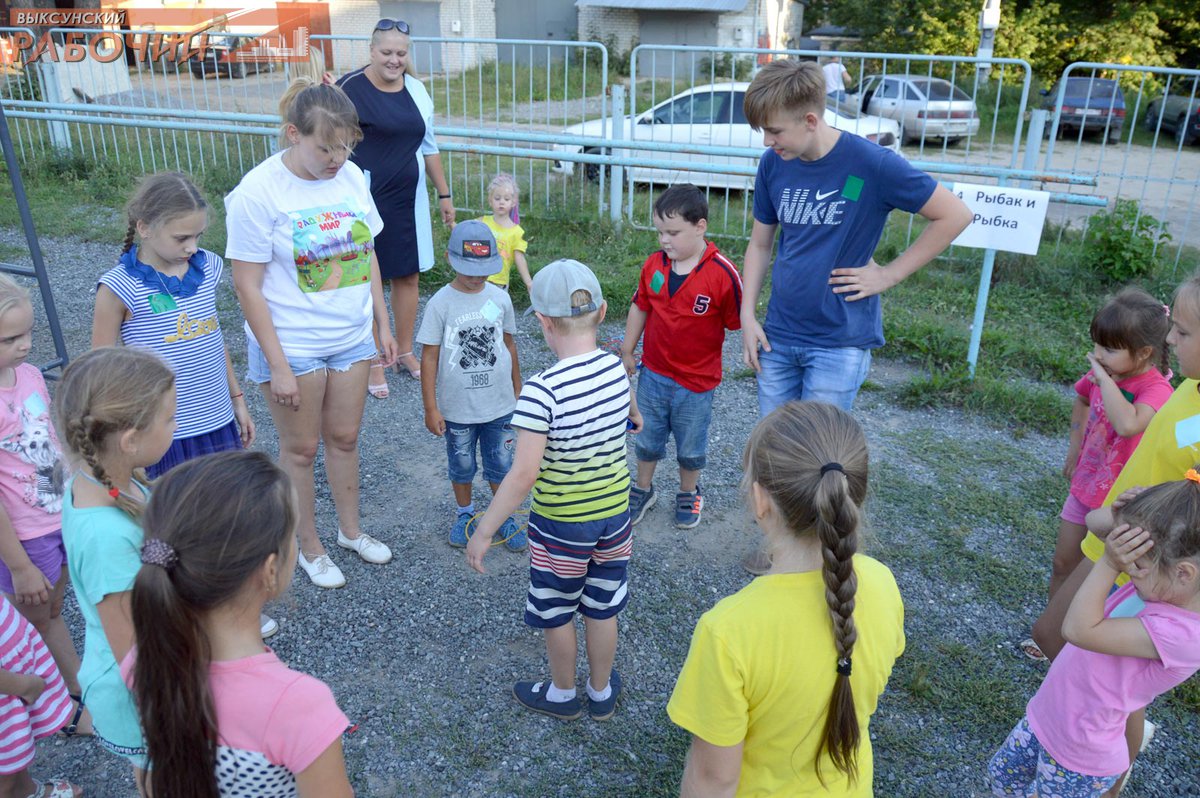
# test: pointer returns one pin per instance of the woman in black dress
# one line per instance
(398, 151)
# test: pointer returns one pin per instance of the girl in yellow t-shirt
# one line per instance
(824, 621)
(503, 196)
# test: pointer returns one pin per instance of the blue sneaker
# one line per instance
(458, 534)
(687, 508)
(532, 695)
(639, 502)
(603, 710)
(515, 538)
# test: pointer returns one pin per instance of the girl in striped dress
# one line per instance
(162, 297)
(33, 704)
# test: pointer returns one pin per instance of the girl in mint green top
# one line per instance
(116, 410)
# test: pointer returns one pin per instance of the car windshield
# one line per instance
(1100, 88)
(940, 90)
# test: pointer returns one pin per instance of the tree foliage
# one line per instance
(1049, 35)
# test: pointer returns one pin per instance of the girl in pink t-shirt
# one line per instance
(1117, 397)
(33, 560)
(1121, 653)
(222, 716)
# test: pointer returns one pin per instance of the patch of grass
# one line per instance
(1019, 403)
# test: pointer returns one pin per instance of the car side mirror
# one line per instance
(1045, 92)
(645, 119)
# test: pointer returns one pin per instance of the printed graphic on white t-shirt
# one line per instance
(331, 247)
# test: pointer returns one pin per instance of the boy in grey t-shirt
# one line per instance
(470, 376)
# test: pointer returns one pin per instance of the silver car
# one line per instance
(925, 107)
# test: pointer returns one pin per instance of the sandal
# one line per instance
(1031, 649)
(414, 373)
(378, 389)
(72, 728)
(58, 788)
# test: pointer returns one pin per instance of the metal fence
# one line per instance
(545, 111)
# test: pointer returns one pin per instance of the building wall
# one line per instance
(476, 20)
(599, 24)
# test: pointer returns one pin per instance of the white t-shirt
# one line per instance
(316, 237)
(833, 76)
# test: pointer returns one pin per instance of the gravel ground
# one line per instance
(421, 653)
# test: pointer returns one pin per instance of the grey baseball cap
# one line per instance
(473, 251)
(554, 283)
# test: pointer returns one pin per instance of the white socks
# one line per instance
(599, 695)
(557, 696)
(469, 509)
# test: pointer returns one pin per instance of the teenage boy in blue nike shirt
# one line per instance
(828, 193)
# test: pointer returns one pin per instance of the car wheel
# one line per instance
(592, 170)
(237, 70)
(1114, 135)
(950, 142)
(1181, 130)
(1150, 121)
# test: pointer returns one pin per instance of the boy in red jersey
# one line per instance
(687, 296)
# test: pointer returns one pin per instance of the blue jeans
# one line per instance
(258, 370)
(812, 373)
(496, 442)
(669, 408)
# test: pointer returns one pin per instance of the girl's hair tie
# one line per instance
(1193, 475)
(825, 469)
(843, 667)
(159, 552)
(114, 492)
(1167, 309)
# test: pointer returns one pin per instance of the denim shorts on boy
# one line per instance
(1022, 763)
(495, 440)
(577, 566)
(1075, 511)
(258, 370)
(48, 555)
(811, 373)
(668, 408)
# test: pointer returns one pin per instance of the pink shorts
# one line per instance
(1075, 511)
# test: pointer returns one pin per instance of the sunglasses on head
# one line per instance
(392, 24)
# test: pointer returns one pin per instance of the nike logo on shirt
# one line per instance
(821, 196)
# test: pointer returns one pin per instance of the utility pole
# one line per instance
(989, 22)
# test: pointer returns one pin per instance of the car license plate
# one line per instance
(1091, 112)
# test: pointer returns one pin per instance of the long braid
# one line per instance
(837, 529)
(812, 460)
(129, 236)
(84, 443)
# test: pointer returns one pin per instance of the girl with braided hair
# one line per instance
(115, 410)
(222, 715)
(824, 621)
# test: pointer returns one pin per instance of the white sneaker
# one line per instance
(367, 547)
(267, 625)
(321, 570)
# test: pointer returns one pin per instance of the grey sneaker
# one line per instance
(639, 502)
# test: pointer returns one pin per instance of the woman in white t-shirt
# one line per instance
(301, 229)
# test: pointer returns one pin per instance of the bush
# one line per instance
(1123, 243)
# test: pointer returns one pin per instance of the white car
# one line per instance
(706, 115)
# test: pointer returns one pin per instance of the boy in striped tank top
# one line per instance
(571, 422)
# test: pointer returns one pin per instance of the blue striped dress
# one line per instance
(187, 336)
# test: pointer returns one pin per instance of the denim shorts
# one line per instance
(813, 373)
(258, 370)
(668, 408)
(496, 441)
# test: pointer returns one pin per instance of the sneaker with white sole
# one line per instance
(321, 570)
(532, 695)
(639, 502)
(370, 549)
(687, 508)
(267, 626)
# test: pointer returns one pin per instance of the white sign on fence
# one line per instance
(1008, 219)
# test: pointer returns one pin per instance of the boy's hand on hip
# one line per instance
(753, 337)
(861, 282)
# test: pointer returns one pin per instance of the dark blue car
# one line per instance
(1094, 105)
